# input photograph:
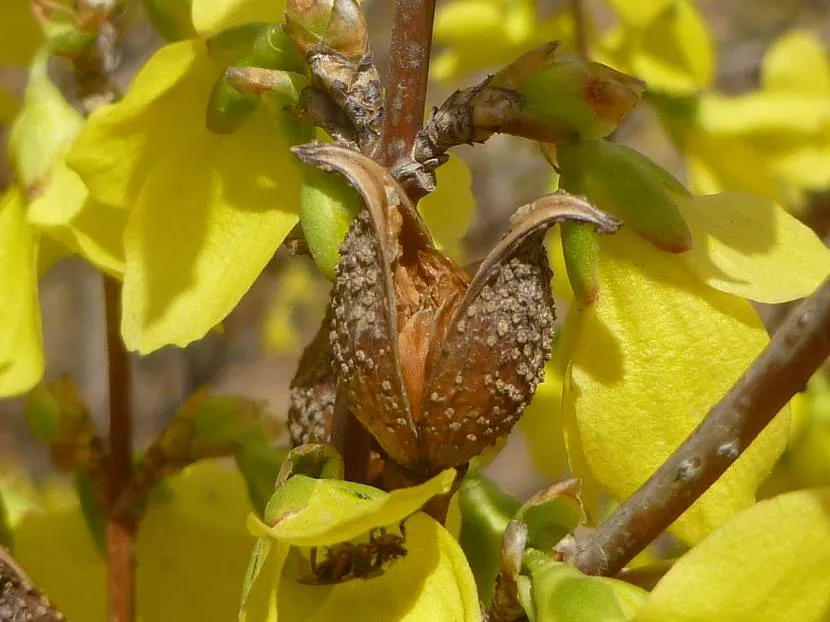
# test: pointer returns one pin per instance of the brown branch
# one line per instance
(19, 598)
(408, 72)
(580, 28)
(120, 530)
(780, 371)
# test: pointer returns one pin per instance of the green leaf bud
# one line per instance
(264, 50)
(485, 512)
(581, 253)
(338, 25)
(551, 514)
(560, 593)
(327, 206)
(622, 181)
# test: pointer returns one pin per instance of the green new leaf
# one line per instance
(551, 514)
(485, 511)
(327, 206)
(556, 592)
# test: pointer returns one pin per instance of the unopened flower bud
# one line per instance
(327, 206)
(257, 46)
(338, 25)
(623, 182)
(535, 97)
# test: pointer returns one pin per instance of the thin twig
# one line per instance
(580, 28)
(797, 349)
(406, 89)
(120, 530)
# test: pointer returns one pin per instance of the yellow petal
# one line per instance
(449, 209)
(432, 582)
(728, 164)
(638, 13)
(164, 107)
(93, 230)
(192, 551)
(21, 343)
(764, 113)
(674, 53)
(210, 16)
(467, 21)
(19, 31)
(200, 234)
(656, 351)
(797, 62)
(768, 563)
(749, 246)
(326, 511)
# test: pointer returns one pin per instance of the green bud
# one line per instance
(171, 18)
(560, 593)
(581, 253)
(622, 181)
(235, 42)
(338, 25)
(552, 514)
(535, 97)
(485, 512)
(585, 99)
(267, 52)
(568, 99)
(327, 206)
(63, 32)
(228, 108)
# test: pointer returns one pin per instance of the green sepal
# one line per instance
(560, 593)
(580, 250)
(327, 207)
(485, 512)
(552, 514)
(625, 183)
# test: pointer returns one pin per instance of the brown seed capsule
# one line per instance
(437, 367)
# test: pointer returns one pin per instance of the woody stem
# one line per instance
(797, 349)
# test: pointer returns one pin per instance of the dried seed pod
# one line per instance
(436, 367)
(312, 391)
(493, 355)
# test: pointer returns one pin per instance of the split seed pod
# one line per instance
(434, 365)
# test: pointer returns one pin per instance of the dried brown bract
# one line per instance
(434, 365)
